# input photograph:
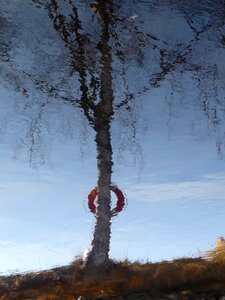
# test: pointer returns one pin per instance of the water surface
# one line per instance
(167, 129)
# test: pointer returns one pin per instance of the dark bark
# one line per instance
(99, 254)
(98, 114)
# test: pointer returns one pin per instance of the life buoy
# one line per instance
(119, 204)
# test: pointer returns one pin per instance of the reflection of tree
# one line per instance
(97, 111)
(33, 139)
(4, 46)
(213, 106)
(102, 58)
(100, 61)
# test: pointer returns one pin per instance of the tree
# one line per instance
(93, 35)
(99, 114)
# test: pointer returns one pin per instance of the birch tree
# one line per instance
(104, 39)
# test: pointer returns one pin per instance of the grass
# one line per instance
(183, 276)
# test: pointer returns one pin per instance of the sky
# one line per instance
(168, 155)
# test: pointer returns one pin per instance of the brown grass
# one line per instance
(186, 275)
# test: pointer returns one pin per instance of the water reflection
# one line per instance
(163, 116)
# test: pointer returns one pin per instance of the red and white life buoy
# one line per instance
(119, 204)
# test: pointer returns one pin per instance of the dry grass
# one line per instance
(216, 255)
(67, 283)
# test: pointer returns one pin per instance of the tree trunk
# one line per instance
(101, 240)
(99, 254)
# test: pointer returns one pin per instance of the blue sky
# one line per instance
(175, 200)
